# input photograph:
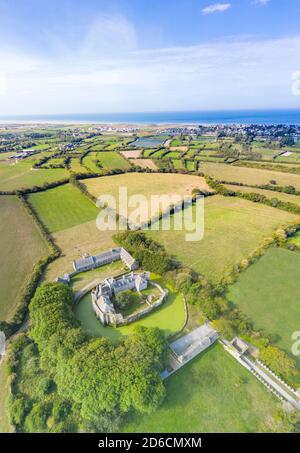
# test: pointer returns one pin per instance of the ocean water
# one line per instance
(279, 116)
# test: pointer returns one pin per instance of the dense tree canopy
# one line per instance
(104, 379)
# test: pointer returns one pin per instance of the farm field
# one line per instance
(169, 317)
(172, 155)
(16, 176)
(268, 292)
(63, 207)
(233, 228)
(76, 241)
(253, 176)
(112, 160)
(22, 246)
(178, 164)
(146, 184)
(202, 394)
(267, 193)
(132, 154)
(91, 162)
(76, 166)
(145, 163)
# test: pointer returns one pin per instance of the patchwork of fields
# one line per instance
(233, 228)
(202, 394)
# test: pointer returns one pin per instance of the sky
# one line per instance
(95, 56)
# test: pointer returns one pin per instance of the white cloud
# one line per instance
(216, 8)
(260, 2)
(108, 35)
(241, 73)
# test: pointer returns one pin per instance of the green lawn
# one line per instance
(233, 228)
(22, 246)
(206, 396)
(169, 317)
(63, 207)
(268, 292)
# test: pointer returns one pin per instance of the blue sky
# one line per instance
(145, 55)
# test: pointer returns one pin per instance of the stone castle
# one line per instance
(103, 294)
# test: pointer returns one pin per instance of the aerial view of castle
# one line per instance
(149, 223)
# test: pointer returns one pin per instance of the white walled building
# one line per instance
(92, 262)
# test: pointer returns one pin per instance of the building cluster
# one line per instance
(23, 154)
(102, 295)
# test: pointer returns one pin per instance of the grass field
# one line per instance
(145, 184)
(112, 160)
(169, 317)
(63, 207)
(267, 193)
(268, 292)
(251, 176)
(76, 241)
(22, 246)
(213, 393)
(145, 163)
(178, 164)
(91, 162)
(21, 175)
(232, 229)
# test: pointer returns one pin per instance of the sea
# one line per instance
(267, 117)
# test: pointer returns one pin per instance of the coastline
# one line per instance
(184, 118)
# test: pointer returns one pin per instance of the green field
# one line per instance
(213, 393)
(268, 292)
(251, 176)
(91, 162)
(233, 228)
(267, 193)
(170, 317)
(76, 241)
(112, 160)
(22, 246)
(21, 175)
(63, 207)
(145, 184)
(178, 164)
